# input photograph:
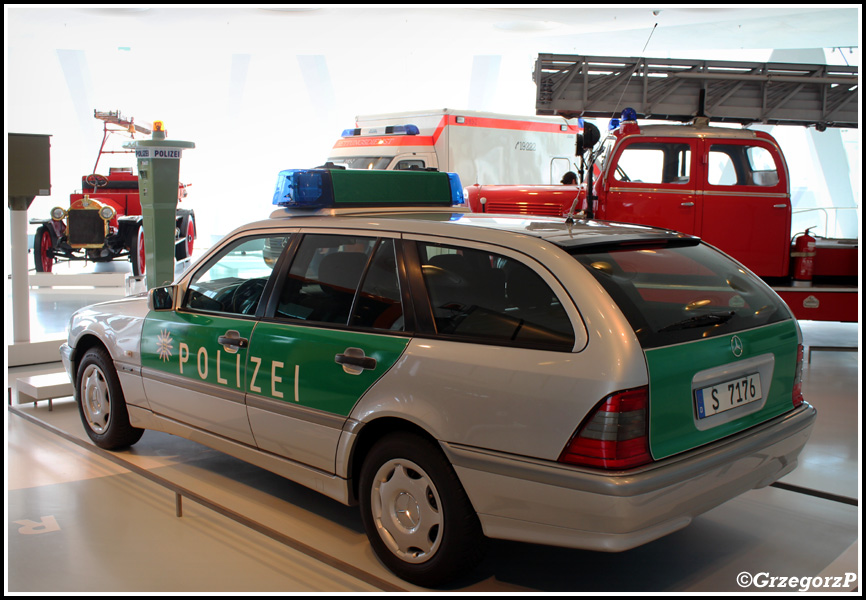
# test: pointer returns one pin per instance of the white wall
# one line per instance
(258, 92)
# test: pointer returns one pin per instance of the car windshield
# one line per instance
(379, 163)
(675, 294)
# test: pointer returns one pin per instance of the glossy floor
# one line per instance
(80, 522)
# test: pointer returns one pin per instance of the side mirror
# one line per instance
(587, 139)
(161, 298)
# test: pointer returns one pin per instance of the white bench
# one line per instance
(44, 387)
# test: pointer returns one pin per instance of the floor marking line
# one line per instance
(322, 557)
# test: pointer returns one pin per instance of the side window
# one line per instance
(493, 299)
(378, 303)
(409, 164)
(738, 164)
(324, 277)
(233, 281)
(654, 162)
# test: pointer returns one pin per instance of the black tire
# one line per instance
(101, 404)
(185, 242)
(417, 516)
(136, 251)
(41, 243)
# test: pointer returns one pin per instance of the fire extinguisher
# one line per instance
(803, 256)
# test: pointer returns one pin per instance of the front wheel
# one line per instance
(417, 516)
(42, 244)
(101, 404)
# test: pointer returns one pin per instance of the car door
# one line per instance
(195, 358)
(334, 326)
(747, 210)
(650, 182)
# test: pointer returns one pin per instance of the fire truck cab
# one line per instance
(727, 186)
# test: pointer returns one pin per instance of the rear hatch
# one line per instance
(722, 349)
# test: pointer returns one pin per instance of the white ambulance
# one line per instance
(481, 147)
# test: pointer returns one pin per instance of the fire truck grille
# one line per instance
(86, 228)
(545, 209)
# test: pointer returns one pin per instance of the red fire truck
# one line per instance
(728, 186)
(103, 221)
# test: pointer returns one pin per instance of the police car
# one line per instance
(459, 376)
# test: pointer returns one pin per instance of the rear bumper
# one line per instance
(542, 502)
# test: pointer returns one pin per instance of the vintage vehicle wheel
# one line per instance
(416, 514)
(184, 249)
(136, 252)
(101, 403)
(41, 245)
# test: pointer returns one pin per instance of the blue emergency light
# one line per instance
(382, 130)
(351, 188)
(629, 114)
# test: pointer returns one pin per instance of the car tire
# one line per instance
(101, 404)
(41, 244)
(417, 516)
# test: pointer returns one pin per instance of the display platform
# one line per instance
(70, 508)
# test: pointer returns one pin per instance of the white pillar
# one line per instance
(20, 276)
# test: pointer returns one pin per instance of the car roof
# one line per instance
(485, 227)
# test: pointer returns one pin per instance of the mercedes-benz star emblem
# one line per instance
(737, 346)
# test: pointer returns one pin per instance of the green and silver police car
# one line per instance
(459, 376)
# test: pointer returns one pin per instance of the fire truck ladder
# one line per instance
(680, 90)
(124, 125)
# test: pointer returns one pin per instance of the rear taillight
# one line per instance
(797, 394)
(614, 436)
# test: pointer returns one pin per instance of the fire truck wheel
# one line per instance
(136, 252)
(41, 245)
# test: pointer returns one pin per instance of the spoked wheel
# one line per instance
(416, 514)
(41, 245)
(189, 239)
(101, 404)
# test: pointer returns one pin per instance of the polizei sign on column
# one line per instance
(146, 153)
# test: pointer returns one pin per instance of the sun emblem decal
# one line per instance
(164, 345)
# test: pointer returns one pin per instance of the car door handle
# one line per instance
(780, 206)
(233, 340)
(687, 203)
(354, 361)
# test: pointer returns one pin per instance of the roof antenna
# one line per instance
(650, 35)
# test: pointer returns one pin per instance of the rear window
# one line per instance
(675, 294)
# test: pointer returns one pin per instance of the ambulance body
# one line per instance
(483, 148)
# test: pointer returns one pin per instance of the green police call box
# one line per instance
(158, 180)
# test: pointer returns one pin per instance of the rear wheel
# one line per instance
(136, 252)
(185, 248)
(41, 245)
(101, 404)
(417, 516)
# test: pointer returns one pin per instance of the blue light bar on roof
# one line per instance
(382, 130)
(342, 188)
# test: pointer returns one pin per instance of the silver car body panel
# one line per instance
(502, 415)
(117, 325)
(519, 498)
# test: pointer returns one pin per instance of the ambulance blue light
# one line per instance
(629, 114)
(382, 130)
(614, 123)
